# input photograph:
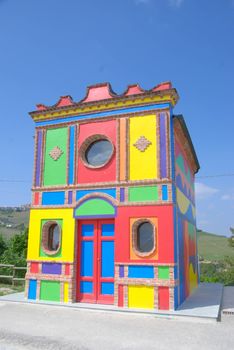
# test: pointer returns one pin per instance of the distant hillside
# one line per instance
(210, 246)
(213, 247)
(13, 220)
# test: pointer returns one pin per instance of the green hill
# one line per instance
(213, 247)
(13, 220)
(210, 247)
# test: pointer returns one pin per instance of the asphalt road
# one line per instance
(30, 326)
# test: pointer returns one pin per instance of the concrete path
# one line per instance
(31, 326)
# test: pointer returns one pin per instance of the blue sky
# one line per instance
(50, 48)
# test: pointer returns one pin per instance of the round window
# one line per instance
(96, 151)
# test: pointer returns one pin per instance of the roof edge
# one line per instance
(183, 125)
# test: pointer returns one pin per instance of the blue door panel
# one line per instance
(107, 288)
(107, 230)
(87, 259)
(107, 262)
(87, 230)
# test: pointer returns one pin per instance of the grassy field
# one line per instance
(212, 247)
(9, 289)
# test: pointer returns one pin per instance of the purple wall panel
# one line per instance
(52, 268)
(163, 146)
(70, 193)
(121, 271)
(38, 162)
(122, 195)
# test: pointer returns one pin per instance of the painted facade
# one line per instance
(99, 212)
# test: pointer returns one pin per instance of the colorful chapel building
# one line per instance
(112, 219)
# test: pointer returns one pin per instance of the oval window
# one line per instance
(98, 152)
(145, 237)
(53, 237)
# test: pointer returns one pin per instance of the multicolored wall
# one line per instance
(120, 231)
(186, 223)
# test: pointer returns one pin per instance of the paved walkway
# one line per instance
(25, 326)
(204, 304)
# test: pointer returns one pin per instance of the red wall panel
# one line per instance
(165, 243)
(103, 174)
(163, 298)
(34, 267)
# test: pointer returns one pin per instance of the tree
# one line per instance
(16, 251)
(231, 239)
(3, 245)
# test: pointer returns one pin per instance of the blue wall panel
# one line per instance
(82, 193)
(87, 258)
(107, 259)
(164, 193)
(32, 290)
(53, 198)
(141, 271)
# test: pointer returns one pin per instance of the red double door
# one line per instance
(95, 259)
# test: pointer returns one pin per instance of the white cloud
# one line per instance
(227, 197)
(142, 1)
(176, 3)
(172, 3)
(203, 191)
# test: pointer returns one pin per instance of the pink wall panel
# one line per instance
(103, 174)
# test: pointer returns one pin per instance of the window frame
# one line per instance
(45, 237)
(87, 143)
(135, 228)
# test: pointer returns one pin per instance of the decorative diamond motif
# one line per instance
(56, 153)
(142, 143)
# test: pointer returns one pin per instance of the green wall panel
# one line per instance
(59, 253)
(163, 272)
(50, 290)
(143, 193)
(55, 171)
(95, 207)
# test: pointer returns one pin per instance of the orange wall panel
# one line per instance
(165, 241)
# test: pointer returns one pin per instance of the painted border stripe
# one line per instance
(163, 147)
(38, 163)
(71, 155)
(104, 114)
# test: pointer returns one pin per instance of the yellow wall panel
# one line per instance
(141, 297)
(143, 164)
(65, 292)
(68, 233)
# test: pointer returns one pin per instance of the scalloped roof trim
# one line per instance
(103, 91)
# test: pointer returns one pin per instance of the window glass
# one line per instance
(53, 237)
(145, 237)
(99, 152)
